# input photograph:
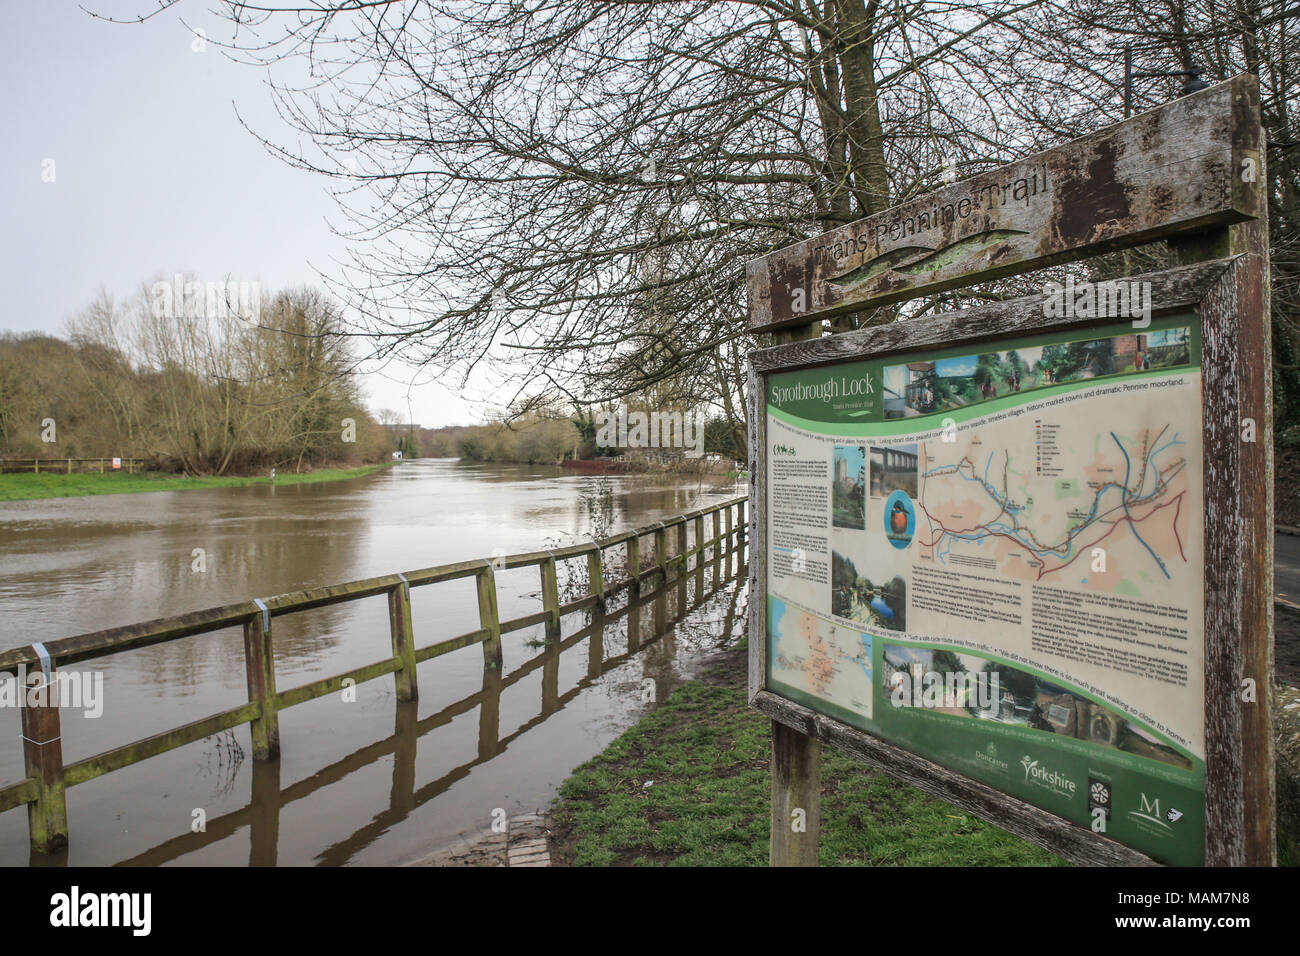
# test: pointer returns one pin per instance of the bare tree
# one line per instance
(1074, 83)
(571, 190)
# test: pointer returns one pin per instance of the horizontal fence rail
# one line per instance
(47, 777)
(65, 466)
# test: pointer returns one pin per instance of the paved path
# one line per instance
(524, 842)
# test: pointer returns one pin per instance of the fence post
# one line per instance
(264, 808)
(36, 465)
(596, 577)
(399, 625)
(634, 562)
(551, 598)
(717, 542)
(596, 647)
(488, 617)
(69, 466)
(683, 559)
(741, 527)
(489, 714)
(47, 815)
(259, 665)
(699, 555)
(661, 553)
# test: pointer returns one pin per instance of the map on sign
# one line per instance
(995, 560)
(829, 660)
(1123, 493)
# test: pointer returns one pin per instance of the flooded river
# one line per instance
(365, 781)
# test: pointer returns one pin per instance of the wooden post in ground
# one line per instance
(264, 814)
(596, 645)
(633, 625)
(699, 556)
(796, 758)
(551, 598)
(717, 544)
(405, 749)
(729, 539)
(661, 553)
(796, 797)
(1254, 790)
(489, 714)
(47, 814)
(683, 560)
(488, 617)
(550, 680)
(596, 577)
(634, 563)
(259, 667)
(399, 626)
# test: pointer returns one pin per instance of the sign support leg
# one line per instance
(796, 797)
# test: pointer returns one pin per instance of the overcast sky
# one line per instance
(153, 174)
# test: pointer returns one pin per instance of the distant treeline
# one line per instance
(547, 437)
(191, 389)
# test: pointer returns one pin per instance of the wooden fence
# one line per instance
(47, 778)
(67, 466)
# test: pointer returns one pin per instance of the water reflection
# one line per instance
(648, 629)
(73, 565)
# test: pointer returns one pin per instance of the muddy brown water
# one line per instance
(369, 781)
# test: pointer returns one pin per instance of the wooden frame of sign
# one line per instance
(1189, 172)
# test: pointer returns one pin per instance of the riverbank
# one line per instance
(690, 785)
(645, 466)
(26, 487)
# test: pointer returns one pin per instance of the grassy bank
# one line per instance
(23, 487)
(690, 785)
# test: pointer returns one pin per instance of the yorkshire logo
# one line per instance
(1052, 780)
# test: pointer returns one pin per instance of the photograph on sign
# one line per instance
(992, 557)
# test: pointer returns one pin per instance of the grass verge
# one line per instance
(690, 785)
(24, 487)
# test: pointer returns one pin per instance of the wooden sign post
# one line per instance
(1020, 555)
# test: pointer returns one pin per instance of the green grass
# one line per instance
(707, 754)
(25, 486)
